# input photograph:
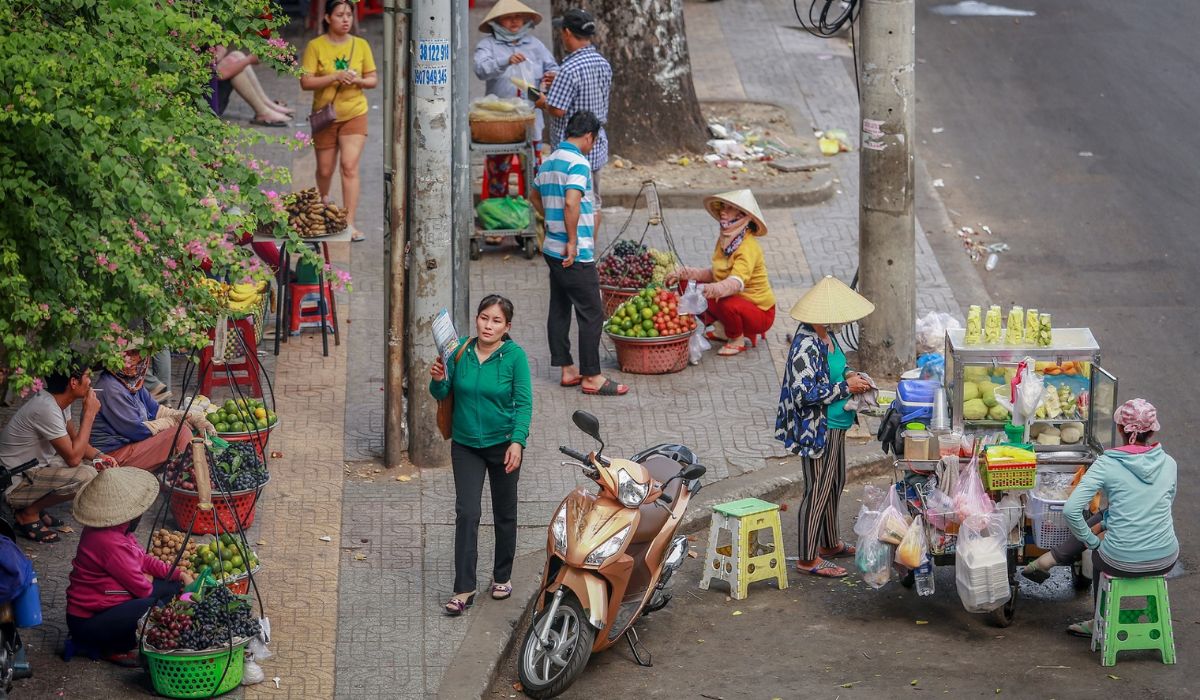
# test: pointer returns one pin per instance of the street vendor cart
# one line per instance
(527, 236)
(1061, 439)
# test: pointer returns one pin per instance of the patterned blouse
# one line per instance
(807, 389)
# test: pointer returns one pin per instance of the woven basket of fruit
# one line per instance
(627, 268)
(237, 474)
(652, 355)
(195, 648)
(649, 334)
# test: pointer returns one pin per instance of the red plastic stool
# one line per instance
(300, 313)
(367, 8)
(241, 373)
(514, 166)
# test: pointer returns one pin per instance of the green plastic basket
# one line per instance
(197, 674)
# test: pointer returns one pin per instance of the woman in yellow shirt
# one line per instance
(337, 67)
(736, 286)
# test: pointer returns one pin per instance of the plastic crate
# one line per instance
(1048, 522)
(1009, 477)
(652, 355)
(196, 674)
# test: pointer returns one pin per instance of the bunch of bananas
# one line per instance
(245, 297)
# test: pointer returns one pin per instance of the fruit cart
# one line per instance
(526, 238)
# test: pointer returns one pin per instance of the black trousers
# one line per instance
(577, 287)
(113, 631)
(470, 464)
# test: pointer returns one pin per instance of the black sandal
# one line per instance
(37, 531)
(49, 520)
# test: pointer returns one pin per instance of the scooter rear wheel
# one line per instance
(545, 673)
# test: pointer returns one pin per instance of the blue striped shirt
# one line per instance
(567, 169)
(583, 83)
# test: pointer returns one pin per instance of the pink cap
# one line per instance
(1137, 416)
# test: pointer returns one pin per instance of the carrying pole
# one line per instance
(886, 233)
(395, 414)
(430, 267)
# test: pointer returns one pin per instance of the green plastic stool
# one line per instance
(1115, 628)
(745, 560)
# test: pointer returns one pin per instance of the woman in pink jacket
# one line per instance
(113, 580)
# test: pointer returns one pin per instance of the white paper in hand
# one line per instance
(445, 336)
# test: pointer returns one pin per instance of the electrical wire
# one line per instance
(819, 23)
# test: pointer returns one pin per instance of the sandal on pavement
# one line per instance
(609, 388)
(1035, 574)
(501, 591)
(37, 531)
(357, 236)
(457, 606)
(731, 350)
(842, 550)
(825, 569)
(128, 659)
(574, 382)
(264, 122)
(1081, 629)
(49, 520)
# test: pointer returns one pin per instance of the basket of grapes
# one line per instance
(195, 645)
(237, 474)
(627, 268)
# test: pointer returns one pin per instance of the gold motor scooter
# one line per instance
(609, 557)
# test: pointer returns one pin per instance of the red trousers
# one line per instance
(739, 316)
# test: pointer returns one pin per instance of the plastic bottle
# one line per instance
(923, 576)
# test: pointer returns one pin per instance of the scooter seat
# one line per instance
(653, 516)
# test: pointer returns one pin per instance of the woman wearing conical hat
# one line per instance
(739, 294)
(509, 50)
(812, 419)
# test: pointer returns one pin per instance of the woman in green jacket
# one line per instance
(493, 403)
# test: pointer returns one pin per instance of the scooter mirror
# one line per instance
(588, 424)
(693, 471)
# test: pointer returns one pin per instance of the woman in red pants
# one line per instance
(740, 300)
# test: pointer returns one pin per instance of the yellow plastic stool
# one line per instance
(1115, 628)
(745, 560)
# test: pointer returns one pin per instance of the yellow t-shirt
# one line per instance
(749, 265)
(323, 57)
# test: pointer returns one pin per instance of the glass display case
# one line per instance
(1077, 417)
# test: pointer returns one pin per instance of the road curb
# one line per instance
(493, 628)
(820, 189)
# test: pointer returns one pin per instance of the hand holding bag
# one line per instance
(445, 412)
(324, 117)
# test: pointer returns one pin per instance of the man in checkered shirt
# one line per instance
(582, 83)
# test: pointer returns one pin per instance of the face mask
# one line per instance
(508, 37)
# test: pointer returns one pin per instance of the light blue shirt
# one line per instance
(567, 169)
(492, 67)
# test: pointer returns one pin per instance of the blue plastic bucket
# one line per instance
(27, 607)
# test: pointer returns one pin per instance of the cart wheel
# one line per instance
(909, 580)
(531, 248)
(1003, 615)
(476, 252)
(1078, 581)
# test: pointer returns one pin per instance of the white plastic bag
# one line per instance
(931, 331)
(914, 548)
(693, 302)
(1028, 386)
(981, 564)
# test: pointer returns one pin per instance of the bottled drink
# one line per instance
(923, 577)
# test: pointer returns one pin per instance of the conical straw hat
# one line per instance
(509, 7)
(742, 199)
(117, 495)
(831, 301)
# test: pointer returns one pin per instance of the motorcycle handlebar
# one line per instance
(573, 454)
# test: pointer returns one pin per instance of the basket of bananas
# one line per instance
(496, 120)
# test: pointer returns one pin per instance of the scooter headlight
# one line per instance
(609, 548)
(559, 527)
(629, 491)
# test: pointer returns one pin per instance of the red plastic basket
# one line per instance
(237, 507)
(612, 297)
(241, 584)
(652, 355)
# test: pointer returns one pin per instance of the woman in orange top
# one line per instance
(736, 286)
(337, 67)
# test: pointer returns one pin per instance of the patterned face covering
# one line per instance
(734, 232)
(133, 374)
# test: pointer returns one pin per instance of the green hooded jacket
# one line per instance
(493, 401)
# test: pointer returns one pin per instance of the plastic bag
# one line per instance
(504, 213)
(692, 301)
(931, 331)
(914, 548)
(932, 366)
(981, 564)
(492, 108)
(874, 559)
(939, 509)
(867, 520)
(1010, 511)
(1024, 395)
(971, 498)
(252, 673)
(893, 518)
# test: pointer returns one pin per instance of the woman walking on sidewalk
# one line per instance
(337, 67)
(812, 418)
(493, 404)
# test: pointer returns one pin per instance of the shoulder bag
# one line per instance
(324, 117)
(445, 412)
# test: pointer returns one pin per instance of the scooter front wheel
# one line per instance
(546, 670)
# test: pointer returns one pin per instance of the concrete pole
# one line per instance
(431, 261)
(886, 235)
(396, 29)
(464, 212)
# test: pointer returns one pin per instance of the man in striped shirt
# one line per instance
(562, 193)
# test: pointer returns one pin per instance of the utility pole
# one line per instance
(886, 234)
(431, 260)
(396, 31)
(464, 212)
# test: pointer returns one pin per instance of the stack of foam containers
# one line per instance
(981, 572)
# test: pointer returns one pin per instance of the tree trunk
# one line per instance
(653, 111)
